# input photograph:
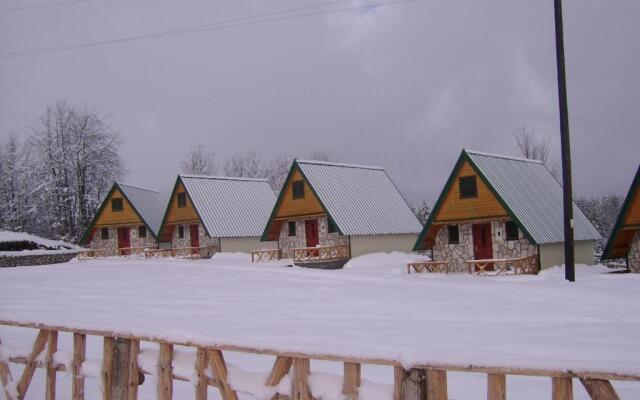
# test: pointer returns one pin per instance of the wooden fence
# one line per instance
(504, 266)
(321, 253)
(121, 375)
(266, 255)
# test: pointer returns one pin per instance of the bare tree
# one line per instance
(422, 211)
(321, 155)
(534, 147)
(199, 161)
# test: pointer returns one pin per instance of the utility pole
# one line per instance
(569, 267)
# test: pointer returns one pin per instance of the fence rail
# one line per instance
(121, 375)
(91, 253)
(504, 266)
(266, 255)
(321, 253)
(428, 266)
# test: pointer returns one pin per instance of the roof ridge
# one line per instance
(137, 187)
(482, 153)
(338, 164)
(228, 178)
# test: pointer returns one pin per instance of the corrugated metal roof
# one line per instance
(231, 207)
(361, 200)
(533, 195)
(149, 204)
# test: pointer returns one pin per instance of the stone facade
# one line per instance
(37, 259)
(111, 245)
(458, 253)
(286, 242)
(204, 239)
(634, 254)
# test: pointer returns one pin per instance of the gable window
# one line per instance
(292, 228)
(331, 227)
(180, 232)
(142, 231)
(468, 187)
(104, 233)
(511, 230)
(182, 200)
(116, 205)
(298, 189)
(454, 234)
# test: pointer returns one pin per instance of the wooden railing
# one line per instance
(91, 253)
(321, 253)
(265, 255)
(156, 253)
(428, 266)
(121, 375)
(504, 266)
(130, 251)
(181, 252)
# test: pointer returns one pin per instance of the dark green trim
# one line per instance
(166, 211)
(294, 165)
(461, 159)
(625, 207)
(104, 204)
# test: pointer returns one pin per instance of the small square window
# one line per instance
(104, 232)
(298, 189)
(181, 232)
(142, 231)
(468, 187)
(511, 230)
(292, 228)
(182, 200)
(454, 234)
(116, 205)
(331, 227)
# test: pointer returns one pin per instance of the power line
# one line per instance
(59, 3)
(232, 23)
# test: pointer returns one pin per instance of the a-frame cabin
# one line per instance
(624, 241)
(501, 207)
(329, 212)
(127, 220)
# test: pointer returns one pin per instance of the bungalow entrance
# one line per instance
(124, 241)
(482, 247)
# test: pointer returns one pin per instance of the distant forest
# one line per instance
(53, 181)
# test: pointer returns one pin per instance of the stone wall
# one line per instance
(634, 254)
(205, 240)
(111, 245)
(39, 259)
(286, 242)
(457, 254)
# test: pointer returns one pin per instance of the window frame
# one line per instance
(180, 232)
(297, 190)
(290, 232)
(182, 199)
(450, 229)
(509, 231)
(331, 227)
(104, 233)
(142, 231)
(469, 178)
(117, 200)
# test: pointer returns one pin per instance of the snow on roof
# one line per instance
(336, 164)
(8, 236)
(361, 200)
(533, 195)
(481, 153)
(148, 203)
(231, 207)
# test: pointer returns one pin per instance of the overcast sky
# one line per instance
(405, 86)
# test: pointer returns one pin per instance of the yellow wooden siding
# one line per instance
(290, 207)
(485, 205)
(128, 216)
(180, 215)
(632, 216)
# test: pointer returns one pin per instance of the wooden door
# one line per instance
(194, 235)
(124, 240)
(482, 247)
(311, 232)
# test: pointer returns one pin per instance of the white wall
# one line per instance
(553, 254)
(376, 243)
(245, 244)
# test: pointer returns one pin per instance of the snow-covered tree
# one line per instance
(422, 211)
(199, 161)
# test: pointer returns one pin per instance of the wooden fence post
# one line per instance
(496, 387)
(561, 388)
(134, 376)
(352, 380)
(409, 385)
(79, 354)
(52, 347)
(219, 367)
(165, 372)
(30, 367)
(119, 369)
(300, 381)
(201, 365)
(5, 378)
(600, 389)
(436, 385)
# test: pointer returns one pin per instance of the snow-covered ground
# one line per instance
(43, 246)
(517, 321)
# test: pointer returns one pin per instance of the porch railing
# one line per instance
(321, 253)
(504, 266)
(121, 374)
(130, 251)
(265, 255)
(91, 253)
(428, 266)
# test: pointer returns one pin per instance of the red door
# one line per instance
(482, 248)
(124, 240)
(194, 235)
(311, 232)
